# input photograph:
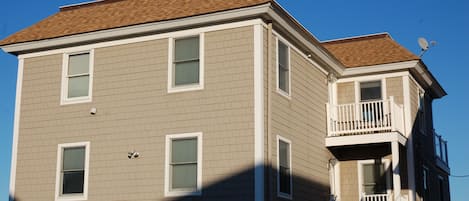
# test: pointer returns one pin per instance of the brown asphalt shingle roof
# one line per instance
(110, 14)
(368, 51)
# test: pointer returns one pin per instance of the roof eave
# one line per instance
(416, 67)
(135, 30)
(432, 83)
(296, 29)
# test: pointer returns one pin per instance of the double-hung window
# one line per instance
(72, 171)
(183, 164)
(283, 68)
(186, 63)
(375, 177)
(77, 77)
(284, 173)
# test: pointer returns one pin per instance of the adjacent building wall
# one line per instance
(301, 118)
(135, 112)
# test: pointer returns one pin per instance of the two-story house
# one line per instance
(218, 100)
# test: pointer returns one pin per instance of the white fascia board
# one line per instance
(365, 139)
(380, 68)
(335, 65)
(430, 80)
(137, 29)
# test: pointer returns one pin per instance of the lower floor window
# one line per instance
(375, 177)
(284, 177)
(183, 164)
(72, 170)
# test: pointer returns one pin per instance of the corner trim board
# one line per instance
(16, 127)
(258, 114)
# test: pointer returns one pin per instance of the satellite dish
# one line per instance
(423, 43)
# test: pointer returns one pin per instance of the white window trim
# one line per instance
(194, 87)
(64, 100)
(387, 168)
(280, 91)
(58, 182)
(169, 138)
(280, 194)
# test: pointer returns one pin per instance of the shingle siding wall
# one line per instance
(302, 119)
(345, 93)
(394, 87)
(135, 112)
(349, 180)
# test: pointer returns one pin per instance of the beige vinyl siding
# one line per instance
(349, 180)
(302, 120)
(414, 100)
(135, 112)
(345, 92)
(394, 87)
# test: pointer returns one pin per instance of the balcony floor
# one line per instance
(365, 139)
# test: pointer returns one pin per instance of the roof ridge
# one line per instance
(358, 38)
(85, 4)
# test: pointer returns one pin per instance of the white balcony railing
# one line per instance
(365, 118)
(376, 197)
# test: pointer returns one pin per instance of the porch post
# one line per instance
(395, 170)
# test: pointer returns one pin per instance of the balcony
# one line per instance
(374, 121)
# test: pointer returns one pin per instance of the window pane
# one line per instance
(183, 151)
(437, 146)
(74, 158)
(283, 68)
(186, 49)
(73, 182)
(374, 178)
(284, 180)
(184, 176)
(186, 73)
(78, 64)
(370, 90)
(283, 154)
(284, 169)
(78, 86)
(283, 80)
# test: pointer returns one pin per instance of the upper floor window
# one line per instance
(72, 171)
(283, 68)
(77, 77)
(186, 64)
(370, 91)
(183, 164)
(284, 175)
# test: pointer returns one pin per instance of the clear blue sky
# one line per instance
(446, 22)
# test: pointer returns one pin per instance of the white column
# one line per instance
(395, 170)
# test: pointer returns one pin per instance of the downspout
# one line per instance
(269, 113)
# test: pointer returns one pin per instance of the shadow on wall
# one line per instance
(12, 198)
(240, 187)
